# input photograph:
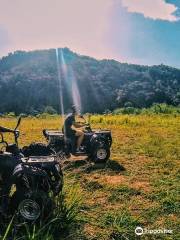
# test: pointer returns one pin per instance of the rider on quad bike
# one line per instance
(71, 128)
(94, 143)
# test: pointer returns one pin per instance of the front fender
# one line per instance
(97, 140)
(28, 170)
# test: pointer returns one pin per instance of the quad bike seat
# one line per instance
(53, 135)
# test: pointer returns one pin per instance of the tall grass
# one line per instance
(64, 216)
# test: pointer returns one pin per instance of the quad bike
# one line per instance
(27, 183)
(96, 144)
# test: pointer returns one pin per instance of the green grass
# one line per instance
(138, 187)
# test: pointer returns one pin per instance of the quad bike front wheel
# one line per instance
(101, 154)
(31, 207)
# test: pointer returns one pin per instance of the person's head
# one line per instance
(75, 110)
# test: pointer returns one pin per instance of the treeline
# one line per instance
(29, 83)
(153, 110)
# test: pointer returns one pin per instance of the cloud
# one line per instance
(4, 40)
(80, 25)
(154, 9)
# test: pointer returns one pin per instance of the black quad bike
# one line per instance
(27, 183)
(96, 144)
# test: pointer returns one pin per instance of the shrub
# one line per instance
(128, 104)
(11, 114)
(127, 110)
(162, 108)
(50, 110)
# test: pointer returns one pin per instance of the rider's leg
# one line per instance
(80, 135)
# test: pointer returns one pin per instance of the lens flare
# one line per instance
(75, 94)
(71, 82)
(60, 83)
(63, 63)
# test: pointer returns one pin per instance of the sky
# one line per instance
(135, 31)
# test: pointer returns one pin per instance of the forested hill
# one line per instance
(29, 82)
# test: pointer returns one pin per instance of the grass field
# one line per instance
(137, 187)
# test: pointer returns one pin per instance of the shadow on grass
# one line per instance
(87, 166)
(69, 164)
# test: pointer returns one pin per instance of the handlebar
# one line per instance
(2, 139)
(18, 123)
(88, 127)
(8, 130)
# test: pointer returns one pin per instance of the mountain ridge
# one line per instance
(31, 78)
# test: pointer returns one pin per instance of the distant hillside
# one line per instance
(29, 82)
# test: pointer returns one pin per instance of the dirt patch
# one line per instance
(143, 159)
(107, 179)
(92, 232)
(97, 199)
(141, 185)
(115, 180)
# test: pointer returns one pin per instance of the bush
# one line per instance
(127, 110)
(107, 111)
(33, 112)
(11, 114)
(50, 110)
(23, 115)
(154, 109)
(128, 104)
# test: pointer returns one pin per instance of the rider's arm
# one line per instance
(78, 124)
